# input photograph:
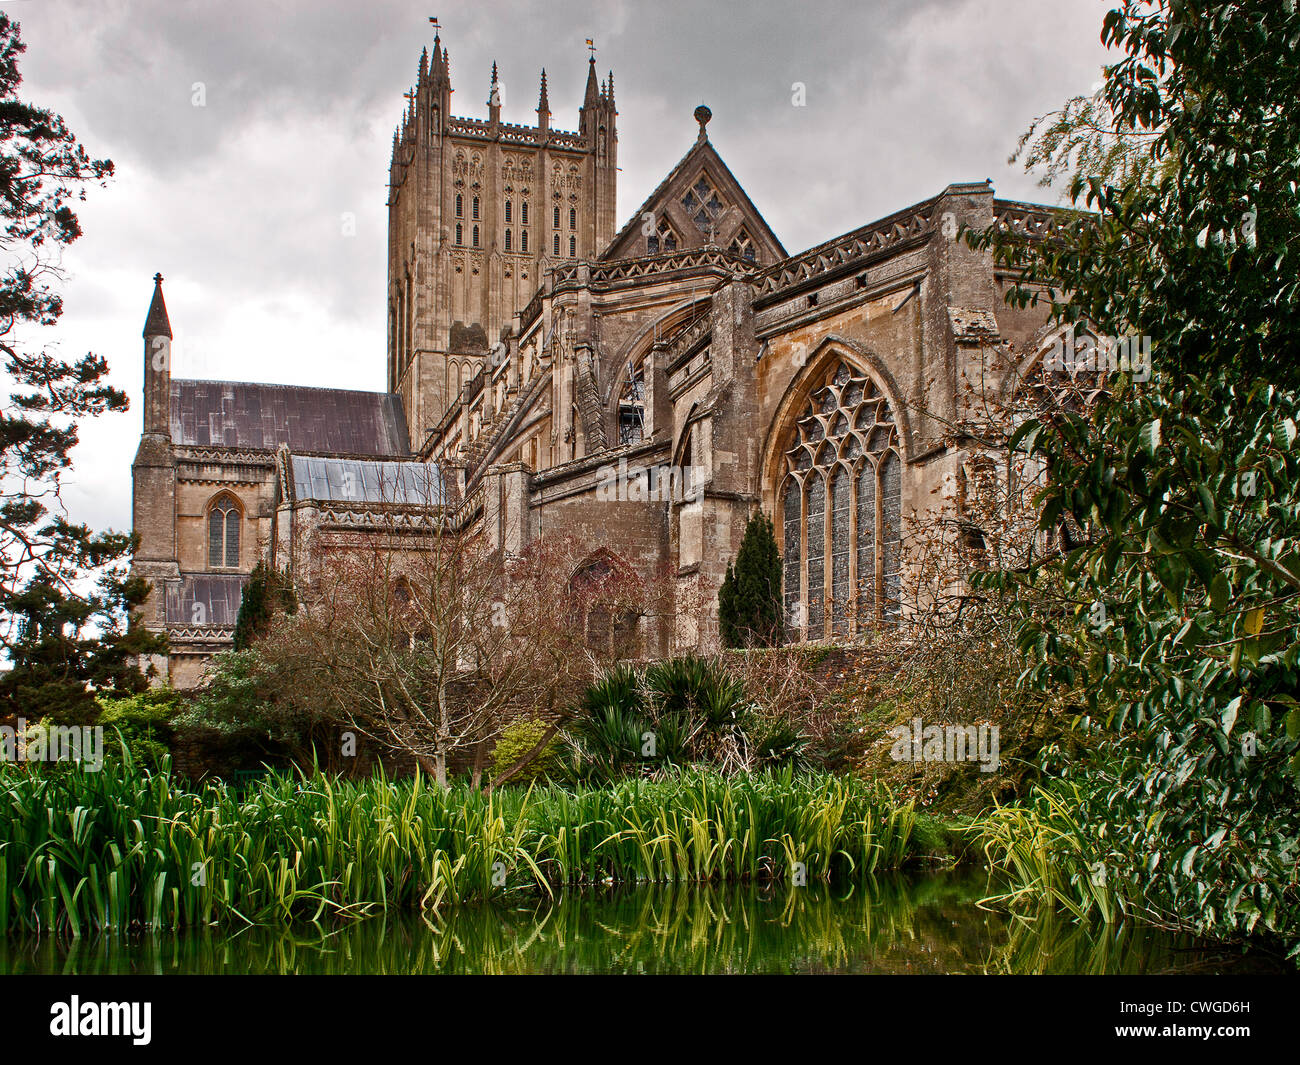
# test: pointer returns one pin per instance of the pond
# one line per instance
(928, 924)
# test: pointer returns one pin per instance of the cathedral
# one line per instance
(641, 390)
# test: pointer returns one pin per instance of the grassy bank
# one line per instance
(119, 849)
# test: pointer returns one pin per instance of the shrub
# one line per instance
(679, 711)
(144, 722)
(517, 739)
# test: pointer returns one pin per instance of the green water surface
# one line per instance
(931, 924)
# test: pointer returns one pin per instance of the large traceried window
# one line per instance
(840, 510)
(223, 533)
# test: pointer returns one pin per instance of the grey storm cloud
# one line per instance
(241, 202)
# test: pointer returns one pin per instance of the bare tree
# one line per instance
(430, 641)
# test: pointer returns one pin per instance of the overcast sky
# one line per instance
(239, 202)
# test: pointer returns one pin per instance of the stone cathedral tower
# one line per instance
(478, 211)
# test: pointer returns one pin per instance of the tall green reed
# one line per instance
(125, 849)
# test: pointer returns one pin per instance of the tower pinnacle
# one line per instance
(156, 324)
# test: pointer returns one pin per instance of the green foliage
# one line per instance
(123, 850)
(1084, 137)
(267, 593)
(674, 712)
(749, 601)
(239, 700)
(519, 738)
(70, 647)
(1179, 617)
(143, 723)
(45, 560)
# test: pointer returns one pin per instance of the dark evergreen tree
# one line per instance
(749, 601)
(267, 593)
(45, 560)
(70, 649)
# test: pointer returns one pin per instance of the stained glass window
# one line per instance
(841, 510)
(223, 533)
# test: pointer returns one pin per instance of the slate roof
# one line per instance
(355, 480)
(218, 596)
(248, 415)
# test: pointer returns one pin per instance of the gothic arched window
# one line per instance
(840, 507)
(476, 236)
(557, 244)
(631, 406)
(523, 213)
(460, 234)
(523, 240)
(474, 208)
(460, 206)
(663, 239)
(557, 217)
(508, 209)
(223, 533)
(573, 218)
(507, 240)
(743, 246)
(609, 628)
(573, 247)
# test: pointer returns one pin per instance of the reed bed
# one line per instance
(1042, 853)
(126, 850)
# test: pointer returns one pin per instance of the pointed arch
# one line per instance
(224, 516)
(825, 354)
(834, 486)
(594, 603)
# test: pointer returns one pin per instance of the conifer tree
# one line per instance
(749, 601)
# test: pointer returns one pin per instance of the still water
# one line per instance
(927, 925)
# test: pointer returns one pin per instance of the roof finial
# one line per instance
(702, 116)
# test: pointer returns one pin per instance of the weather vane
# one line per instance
(434, 22)
(591, 47)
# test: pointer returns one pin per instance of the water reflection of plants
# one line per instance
(880, 925)
(1050, 943)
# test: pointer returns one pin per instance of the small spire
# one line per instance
(494, 93)
(157, 323)
(592, 96)
(611, 89)
(543, 100)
